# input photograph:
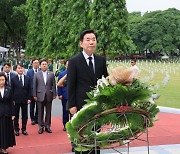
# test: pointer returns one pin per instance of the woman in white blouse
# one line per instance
(7, 137)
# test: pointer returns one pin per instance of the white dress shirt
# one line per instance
(87, 60)
(45, 76)
(2, 92)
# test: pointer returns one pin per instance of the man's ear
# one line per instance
(80, 43)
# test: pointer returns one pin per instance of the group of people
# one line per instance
(38, 88)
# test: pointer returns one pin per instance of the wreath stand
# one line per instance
(126, 142)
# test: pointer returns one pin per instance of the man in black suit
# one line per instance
(33, 104)
(9, 75)
(83, 71)
(21, 95)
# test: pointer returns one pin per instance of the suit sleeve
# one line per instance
(105, 68)
(71, 84)
(35, 85)
(29, 88)
(12, 104)
(59, 88)
(54, 85)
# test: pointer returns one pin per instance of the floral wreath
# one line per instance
(121, 103)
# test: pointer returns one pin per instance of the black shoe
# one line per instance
(33, 122)
(73, 150)
(64, 129)
(36, 122)
(48, 130)
(41, 130)
(24, 132)
(17, 133)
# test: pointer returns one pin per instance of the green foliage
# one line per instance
(34, 27)
(13, 24)
(111, 26)
(156, 31)
(61, 22)
(110, 96)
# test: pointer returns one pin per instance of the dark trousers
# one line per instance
(65, 112)
(33, 110)
(24, 114)
(47, 105)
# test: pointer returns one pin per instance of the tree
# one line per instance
(13, 23)
(77, 22)
(157, 31)
(34, 40)
(109, 20)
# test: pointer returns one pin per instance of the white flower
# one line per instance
(105, 81)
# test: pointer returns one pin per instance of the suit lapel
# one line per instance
(5, 93)
(48, 76)
(95, 63)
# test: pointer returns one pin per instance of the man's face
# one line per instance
(35, 64)
(20, 70)
(2, 81)
(6, 68)
(89, 43)
(44, 66)
(133, 63)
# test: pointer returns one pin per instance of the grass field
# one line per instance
(163, 76)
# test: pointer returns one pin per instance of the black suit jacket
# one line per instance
(21, 93)
(80, 80)
(6, 103)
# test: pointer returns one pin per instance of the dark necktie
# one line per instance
(21, 80)
(91, 65)
(8, 78)
(36, 70)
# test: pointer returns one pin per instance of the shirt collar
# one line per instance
(86, 56)
(21, 75)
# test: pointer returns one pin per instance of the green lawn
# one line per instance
(170, 93)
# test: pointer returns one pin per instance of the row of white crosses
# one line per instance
(151, 67)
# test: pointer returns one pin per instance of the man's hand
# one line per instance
(54, 97)
(60, 97)
(13, 117)
(35, 99)
(28, 101)
(73, 110)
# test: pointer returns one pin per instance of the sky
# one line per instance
(151, 5)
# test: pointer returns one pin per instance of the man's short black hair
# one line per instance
(88, 31)
(19, 64)
(134, 60)
(7, 63)
(42, 60)
(34, 59)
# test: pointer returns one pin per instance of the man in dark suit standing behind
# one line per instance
(9, 75)
(33, 104)
(21, 95)
(83, 71)
(44, 91)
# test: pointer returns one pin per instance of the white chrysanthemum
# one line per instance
(103, 81)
